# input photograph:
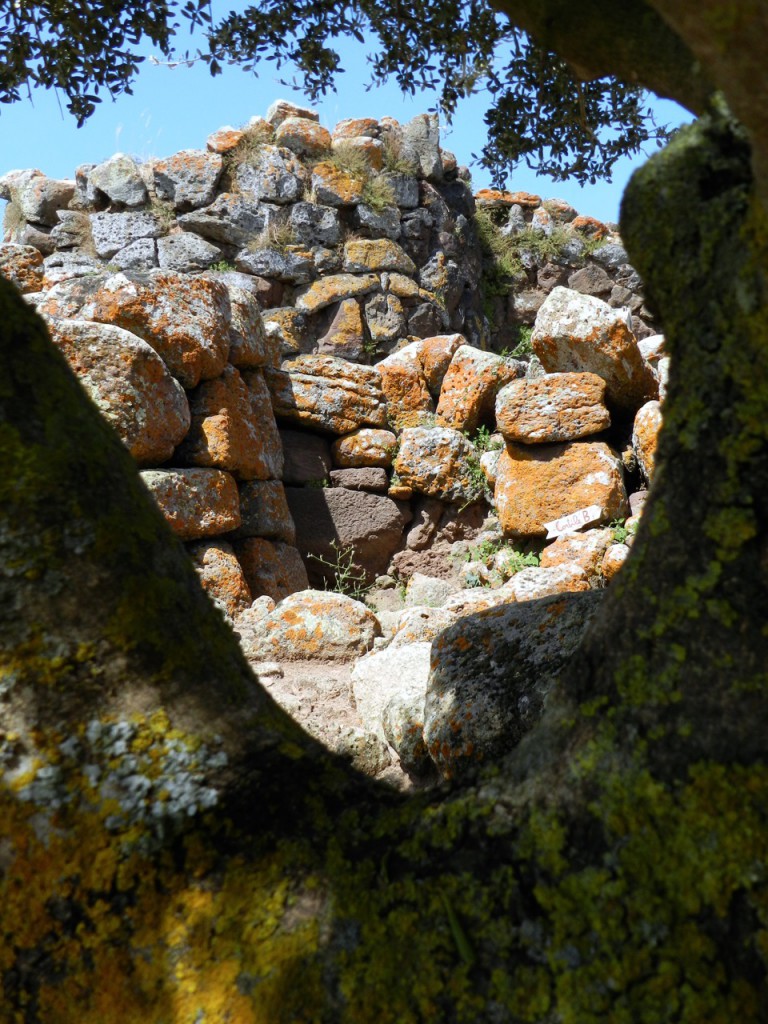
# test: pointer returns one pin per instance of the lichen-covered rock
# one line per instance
(377, 223)
(225, 430)
(185, 252)
(196, 503)
(231, 218)
(586, 549)
(354, 127)
(582, 333)
(188, 178)
(613, 559)
(347, 335)
(139, 255)
(71, 297)
(281, 109)
(129, 383)
(221, 575)
(556, 407)
(420, 624)
(490, 675)
(114, 231)
(119, 178)
(471, 384)
(421, 146)
(269, 456)
(331, 522)
(184, 319)
(273, 175)
(249, 345)
(538, 484)
(316, 624)
(264, 511)
(22, 265)
(303, 136)
(273, 569)
(409, 401)
(334, 288)
(281, 264)
(383, 675)
(434, 461)
(327, 393)
(385, 319)
(365, 447)
(334, 186)
(40, 198)
(314, 225)
(376, 254)
(535, 582)
(435, 355)
(225, 139)
(645, 436)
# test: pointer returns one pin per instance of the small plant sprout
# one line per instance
(344, 575)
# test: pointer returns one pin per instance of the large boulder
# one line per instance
(226, 428)
(272, 174)
(581, 333)
(556, 407)
(119, 178)
(327, 393)
(264, 511)
(392, 673)
(333, 521)
(196, 503)
(129, 383)
(470, 386)
(188, 178)
(540, 484)
(436, 461)
(112, 232)
(184, 319)
(316, 625)
(491, 673)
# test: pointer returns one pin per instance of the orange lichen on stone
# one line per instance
(365, 447)
(335, 187)
(538, 484)
(23, 266)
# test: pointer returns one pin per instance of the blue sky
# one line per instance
(177, 108)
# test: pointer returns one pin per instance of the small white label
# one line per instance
(574, 521)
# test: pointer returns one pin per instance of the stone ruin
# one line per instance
(338, 369)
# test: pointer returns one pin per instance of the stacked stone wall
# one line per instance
(303, 338)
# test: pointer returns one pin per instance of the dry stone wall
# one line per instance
(303, 337)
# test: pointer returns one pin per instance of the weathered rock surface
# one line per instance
(470, 386)
(114, 231)
(538, 484)
(400, 672)
(264, 511)
(196, 503)
(331, 521)
(225, 431)
(129, 383)
(364, 447)
(328, 393)
(434, 461)
(334, 288)
(272, 568)
(557, 407)
(315, 624)
(188, 178)
(184, 319)
(221, 575)
(22, 265)
(582, 333)
(491, 672)
(645, 437)
(585, 549)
